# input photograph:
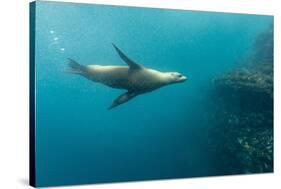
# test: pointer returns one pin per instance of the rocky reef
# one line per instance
(241, 137)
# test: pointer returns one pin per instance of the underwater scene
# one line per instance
(128, 94)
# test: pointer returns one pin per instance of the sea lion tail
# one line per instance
(75, 67)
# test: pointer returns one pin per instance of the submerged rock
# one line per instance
(241, 136)
(251, 87)
(252, 79)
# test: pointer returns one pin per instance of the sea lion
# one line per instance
(135, 78)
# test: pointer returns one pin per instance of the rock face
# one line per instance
(251, 88)
(241, 138)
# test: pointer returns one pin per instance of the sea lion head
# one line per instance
(175, 77)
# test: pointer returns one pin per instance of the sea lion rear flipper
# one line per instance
(75, 67)
(122, 99)
(128, 61)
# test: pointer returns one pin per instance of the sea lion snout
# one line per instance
(182, 78)
(177, 77)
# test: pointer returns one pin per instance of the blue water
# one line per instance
(156, 135)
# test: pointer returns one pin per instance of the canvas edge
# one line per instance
(32, 168)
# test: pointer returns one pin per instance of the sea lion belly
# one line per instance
(112, 76)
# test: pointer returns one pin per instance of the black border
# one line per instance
(32, 174)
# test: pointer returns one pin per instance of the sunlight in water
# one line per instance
(55, 42)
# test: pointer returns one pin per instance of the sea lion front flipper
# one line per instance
(122, 99)
(128, 61)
